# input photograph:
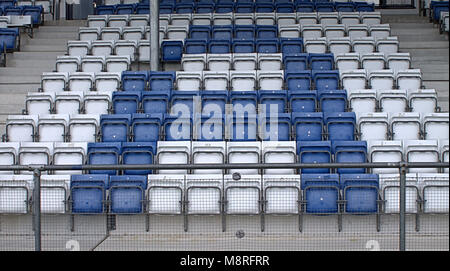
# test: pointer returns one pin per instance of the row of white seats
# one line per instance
(444, 21)
(373, 61)
(80, 81)
(402, 126)
(431, 189)
(111, 63)
(136, 50)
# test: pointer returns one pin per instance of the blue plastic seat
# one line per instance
(298, 80)
(126, 102)
(314, 152)
(214, 102)
(295, 62)
(302, 101)
(35, 12)
(244, 128)
(344, 7)
(156, 101)
(203, 7)
(222, 32)
(332, 100)
(184, 8)
(244, 103)
(437, 7)
(138, 153)
(146, 127)
(276, 99)
(333, 177)
(321, 61)
(324, 7)
(340, 126)
(200, 32)
(105, 10)
(264, 7)
(350, 152)
(195, 46)
(127, 194)
(8, 37)
(267, 46)
(219, 46)
(266, 32)
(307, 126)
(322, 197)
(161, 81)
(284, 7)
(240, 7)
(114, 128)
(88, 193)
(243, 46)
(166, 8)
(244, 32)
(177, 128)
(145, 9)
(291, 46)
(364, 7)
(305, 7)
(172, 50)
(325, 79)
(13, 10)
(276, 129)
(211, 128)
(224, 7)
(125, 9)
(183, 101)
(104, 154)
(360, 192)
(134, 80)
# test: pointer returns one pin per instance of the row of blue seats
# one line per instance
(145, 153)
(224, 32)
(315, 126)
(9, 38)
(322, 193)
(34, 11)
(299, 80)
(7, 3)
(172, 50)
(277, 101)
(436, 7)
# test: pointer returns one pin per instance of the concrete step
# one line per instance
(28, 55)
(57, 28)
(41, 64)
(19, 88)
(65, 23)
(45, 41)
(56, 35)
(430, 44)
(20, 79)
(7, 71)
(62, 49)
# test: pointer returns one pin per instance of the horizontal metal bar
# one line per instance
(224, 166)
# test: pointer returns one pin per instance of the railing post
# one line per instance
(154, 35)
(402, 223)
(37, 209)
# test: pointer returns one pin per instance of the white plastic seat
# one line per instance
(334, 31)
(200, 18)
(398, 61)
(373, 126)
(243, 80)
(423, 100)
(180, 19)
(68, 102)
(21, 128)
(126, 48)
(52, 128)
(244, 18)
(385, 152)
(219, 62)
(37, 103)
(107, 81)
(405, 126)
(204, 194)
(381, 79)
(54, 193)
(173, 152)
(390, 191)
(216, 80)
(435, 192)
(306, 18)
(388, 45)
(242, 196)
(409, 79)
(361, 101)
(270, 80)
(189, 80)
(83, 128)
(193, 62)
(97, 102)
(270, 62)
(35, 153)
(97, 20)
(54, 81)
(8, 155)
(328, 18)
(177, 32)
(444, 148)
(365, 45)
(357, 31)
(111, 33)
(373, 62)
(143, 50)
(353, 79)
(89, 33)
(435, 125)
(80, 81)
(138, 20)
(312, 31)
(208, 152)
(347, 61)
(133, 33)
(245, 62)
(102, 47)
(265, 19)
(118, 20)
(69, 154)
(392, 100)
(165, 194)
(289, 31)
(92, 64)
(379, 31)
(339, 46)
(316, 46)
(286, 19)
(281, 195)
(279, 152)
(119, 63)
(67, 63)
(349, 18)
(223, 18)
(421, 151)
(15, 193)
(78, 47)
(242, 153)
(370, 18)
